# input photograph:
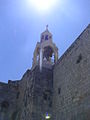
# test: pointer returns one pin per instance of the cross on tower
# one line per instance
(46, 27)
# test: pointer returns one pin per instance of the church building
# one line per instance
(54, 88)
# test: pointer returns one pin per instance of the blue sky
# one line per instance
(21, 26)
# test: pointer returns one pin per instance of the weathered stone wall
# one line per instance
(8, 100)
(27, 99)
(71, 80)
(36, 98)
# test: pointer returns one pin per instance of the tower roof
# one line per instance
(46, 35)
(46, 31)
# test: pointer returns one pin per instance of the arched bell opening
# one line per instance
(36, 57)
(48, 54)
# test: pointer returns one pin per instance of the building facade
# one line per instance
(53, 89)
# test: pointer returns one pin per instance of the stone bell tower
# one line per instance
(46, 52)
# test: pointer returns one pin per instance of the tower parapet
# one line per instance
(46, 52)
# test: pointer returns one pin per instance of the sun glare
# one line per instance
(42, 5)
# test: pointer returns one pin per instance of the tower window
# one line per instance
(59, 90)
(46, 37)
(79, 59)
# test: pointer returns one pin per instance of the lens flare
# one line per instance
(42, 5)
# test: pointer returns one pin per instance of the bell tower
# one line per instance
(46, 52)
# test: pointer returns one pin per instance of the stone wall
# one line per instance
(8, 100)
(27, 99)
(71, 80)
(36, 98)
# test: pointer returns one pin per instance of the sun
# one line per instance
(42, 5)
